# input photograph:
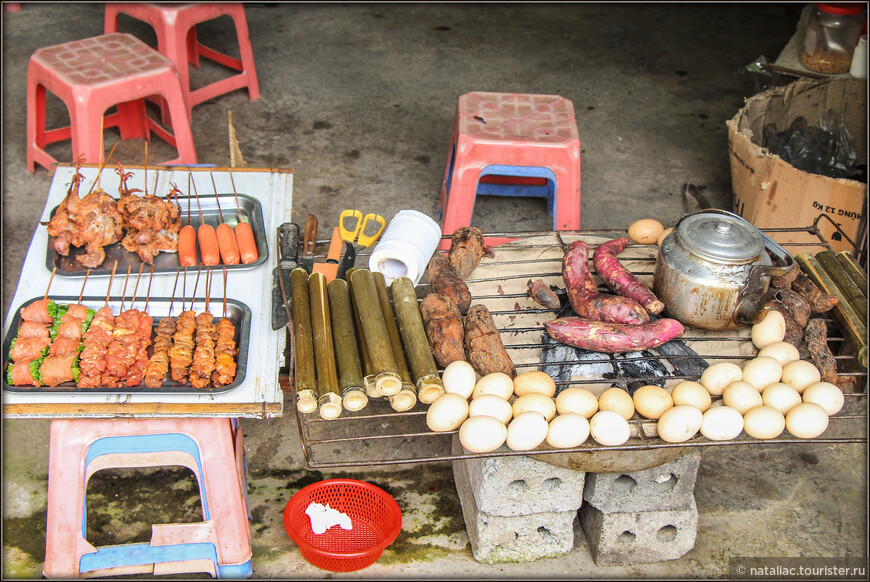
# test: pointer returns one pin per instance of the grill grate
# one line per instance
(378, 435)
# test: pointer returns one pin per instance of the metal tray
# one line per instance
(212, 205)
(158, 308)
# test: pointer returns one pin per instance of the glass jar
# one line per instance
(832, 33)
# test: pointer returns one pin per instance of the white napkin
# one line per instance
(324, 517)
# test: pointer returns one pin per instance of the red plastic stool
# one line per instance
(92, 75)
(519, 141)
(175, 26)
(212, 448)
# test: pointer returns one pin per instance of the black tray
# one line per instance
(248, 208)
(158, 308)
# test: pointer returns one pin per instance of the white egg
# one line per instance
(781, 396)
(567, 431)
(617, 400)
(761, 371)
(529, 382)
(447, 412)
(784, 352)
(491, 405)
(497, 383)
(680, 423)
(537, 402)
(609, 428)
(459, 378)
(716, 377)
(717, 403)
(827, 395)
(769, 330)
(741, 396)
(652, 401)
(763, 422)
(722, 423)
(527, 431)
(800, 374)
(806, 420)
(577, 400)
(691, 393)
(482, 434)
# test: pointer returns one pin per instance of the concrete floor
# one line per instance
(359, 99)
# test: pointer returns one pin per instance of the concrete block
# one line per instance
(642, 537)
(520, 485)
(521, 538)
(668, 486)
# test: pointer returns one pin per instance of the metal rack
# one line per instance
(378, 435)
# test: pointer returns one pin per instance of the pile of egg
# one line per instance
(770, 393)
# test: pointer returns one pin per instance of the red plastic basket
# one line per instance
(375, 516)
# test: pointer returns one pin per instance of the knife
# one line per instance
(288, 252)
(330, 267)
(309, 243)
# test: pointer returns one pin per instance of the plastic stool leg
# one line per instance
(247, 53)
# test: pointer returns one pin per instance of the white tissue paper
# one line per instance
(324, 517)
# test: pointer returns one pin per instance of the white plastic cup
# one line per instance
(406, 246)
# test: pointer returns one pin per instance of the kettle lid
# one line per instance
(721, 236)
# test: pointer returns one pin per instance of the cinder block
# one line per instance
(522, 538)
(520, 485)
(642, 537)
(668, 486)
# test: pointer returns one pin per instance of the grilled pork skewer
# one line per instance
(141, 341)
(204, 356)
(122, 349)
(61, 364)
(29, 345)
(181, 353)
(96, 340)
(225, 348)
(158, 366)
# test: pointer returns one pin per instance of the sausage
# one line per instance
(583, 293)
(209, 251)
(444, 281)
(444, 330)
(542, 294)
(486, 352)
(247, 244)
(187, 246)
(466, 248)
(227, 244)
(620, 279)
(613, 338)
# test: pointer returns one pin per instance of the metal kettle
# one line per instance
(713, 271)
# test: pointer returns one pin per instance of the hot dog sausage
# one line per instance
(209, 251)
(227, 244)
(247, 244)
(187, 246)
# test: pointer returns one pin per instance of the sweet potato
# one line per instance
(466, 248)
(797, 305)
(486, 352)
(444, 329)
(820, 301)
(543, 295)
(444, 281)
(816, 336)
(583, 293)
(620, 279)
(794, 333)
(613, 338)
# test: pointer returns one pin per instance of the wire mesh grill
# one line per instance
(378, 435)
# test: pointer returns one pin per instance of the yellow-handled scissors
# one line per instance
(359, 227)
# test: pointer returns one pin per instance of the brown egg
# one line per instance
(645, 231)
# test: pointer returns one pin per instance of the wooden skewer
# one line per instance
(188, 196)
(217, 199)
(47, 287)
(111, 278)
(195, 193)
(148, 294)
(184, 288)
(195, 285)
(136, 287)
(225, 291)
(174, 287)
(82, 293)
(100, 171)
(124, 292)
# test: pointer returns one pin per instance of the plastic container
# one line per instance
(831, 36)
(858, 69)
(374, 514)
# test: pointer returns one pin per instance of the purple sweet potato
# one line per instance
(620, 279)
(613, 338)
(542, 294)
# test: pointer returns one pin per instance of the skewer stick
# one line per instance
(174, 286)
(111, 278)
(148, 294)
(225, 291)
(195, 193)
(145, 169)
(217, 199)
(189, 178)
(82, 292)
(47, 287)
(100, 171)
(184, 288)
(124, 292)
(136, 287)
(195, 285)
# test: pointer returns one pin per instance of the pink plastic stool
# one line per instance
(212, 448)
(175, 26)
(92, 75)
(527, 137)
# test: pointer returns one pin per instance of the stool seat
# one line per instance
(212, 448)
(92, 75)
(529, 142)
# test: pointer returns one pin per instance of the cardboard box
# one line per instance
(771, 193)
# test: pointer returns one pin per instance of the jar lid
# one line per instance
(841, 9)
(721, 237)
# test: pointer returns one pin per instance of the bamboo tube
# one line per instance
(306, 379)
(854, 269)
(350, 376)
(407, 396)
(324, 352)
(387, 377)
(841, 278)
(368, 369)
(854, 329)
(429, 386)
